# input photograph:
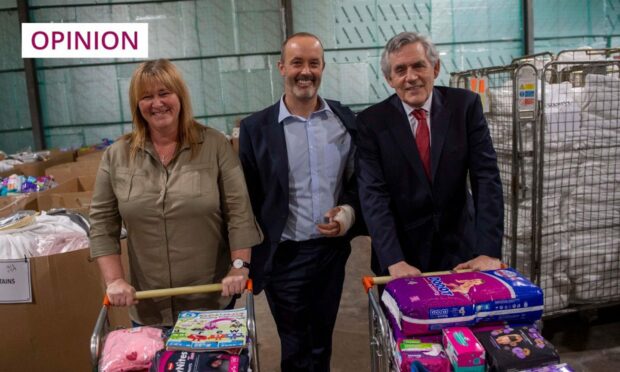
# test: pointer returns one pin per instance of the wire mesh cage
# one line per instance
(555, 124)
(508, 95)
(578, 257)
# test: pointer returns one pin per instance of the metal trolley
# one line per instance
(382, 345)
(102, 326)
(558, 160)
(381, 340)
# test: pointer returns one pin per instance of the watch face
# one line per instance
(238, 263)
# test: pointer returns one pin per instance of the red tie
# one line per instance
(422, 140)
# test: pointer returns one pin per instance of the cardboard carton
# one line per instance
(75, 194)
(94, 156)
(65, 172)
(38, 168)
(75, 184)
(53, 333)
(12, 204)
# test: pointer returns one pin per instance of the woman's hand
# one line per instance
(234, 283)
(121, 293)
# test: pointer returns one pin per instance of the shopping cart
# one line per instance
(382, 344)
(102, 326)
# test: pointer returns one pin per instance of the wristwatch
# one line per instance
(239, 263)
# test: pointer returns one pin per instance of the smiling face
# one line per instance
(302, 67)
(412, 75)
(160, 107)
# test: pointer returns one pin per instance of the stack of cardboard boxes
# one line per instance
(53, 332)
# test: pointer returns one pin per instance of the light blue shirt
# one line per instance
(319, 159)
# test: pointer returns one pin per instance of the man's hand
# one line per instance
(480, 263)
(234, 282)
(121, 293)
(331, 228)
(403, 270)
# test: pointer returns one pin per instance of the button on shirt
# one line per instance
(413, 122)
(318, 159)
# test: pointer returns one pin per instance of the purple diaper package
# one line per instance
(428, 304)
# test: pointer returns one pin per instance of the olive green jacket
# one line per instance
(182, 220)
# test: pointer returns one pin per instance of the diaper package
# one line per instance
(514, 349)
(425, 305)
(430, 355)
(463, 349)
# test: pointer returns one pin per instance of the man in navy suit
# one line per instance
(415, 152)
(298, 158)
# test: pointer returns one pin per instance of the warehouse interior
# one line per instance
(547, 72)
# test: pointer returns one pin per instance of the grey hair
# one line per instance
(402, 39)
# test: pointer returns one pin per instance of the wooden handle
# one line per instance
(369, 281)
(166, 292)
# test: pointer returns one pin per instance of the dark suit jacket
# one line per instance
(430, 226)
(262, 149)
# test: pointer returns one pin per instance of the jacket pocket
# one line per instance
(129, 183)
(197, 179)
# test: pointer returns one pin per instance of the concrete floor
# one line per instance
(588, 342)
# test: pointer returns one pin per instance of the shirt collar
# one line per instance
(426, 106)
(285, 113)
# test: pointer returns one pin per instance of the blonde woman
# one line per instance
(178, 188)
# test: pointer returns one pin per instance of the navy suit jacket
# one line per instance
(263, 153)
(430, 225)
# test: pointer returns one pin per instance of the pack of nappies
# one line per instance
(517, 348)
(424, 305)
(552, 368)
(430, 355)
(466, 354)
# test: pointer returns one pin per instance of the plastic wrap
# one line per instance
(48, 234)
(130, 349)
(428, 304)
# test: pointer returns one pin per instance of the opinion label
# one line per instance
(85, 40)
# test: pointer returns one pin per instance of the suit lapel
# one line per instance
(277, 147)
(347, 120)
(400, 127)
(440, 121)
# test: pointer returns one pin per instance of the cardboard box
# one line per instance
(65, 172)
(38, 168)
(75, 194)
(75, 184)
(5, 174)
(94, 156)
(53, 333)
(12, 204)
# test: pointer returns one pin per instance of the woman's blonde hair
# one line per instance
(164, 72)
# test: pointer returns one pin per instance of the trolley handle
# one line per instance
(369, 281)
(205, 288)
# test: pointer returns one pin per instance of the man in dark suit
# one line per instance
(415, 151)
(298, 157)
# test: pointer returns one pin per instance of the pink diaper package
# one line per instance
(463, 350)
(430, 355)
(130, 349)
(425, 305)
